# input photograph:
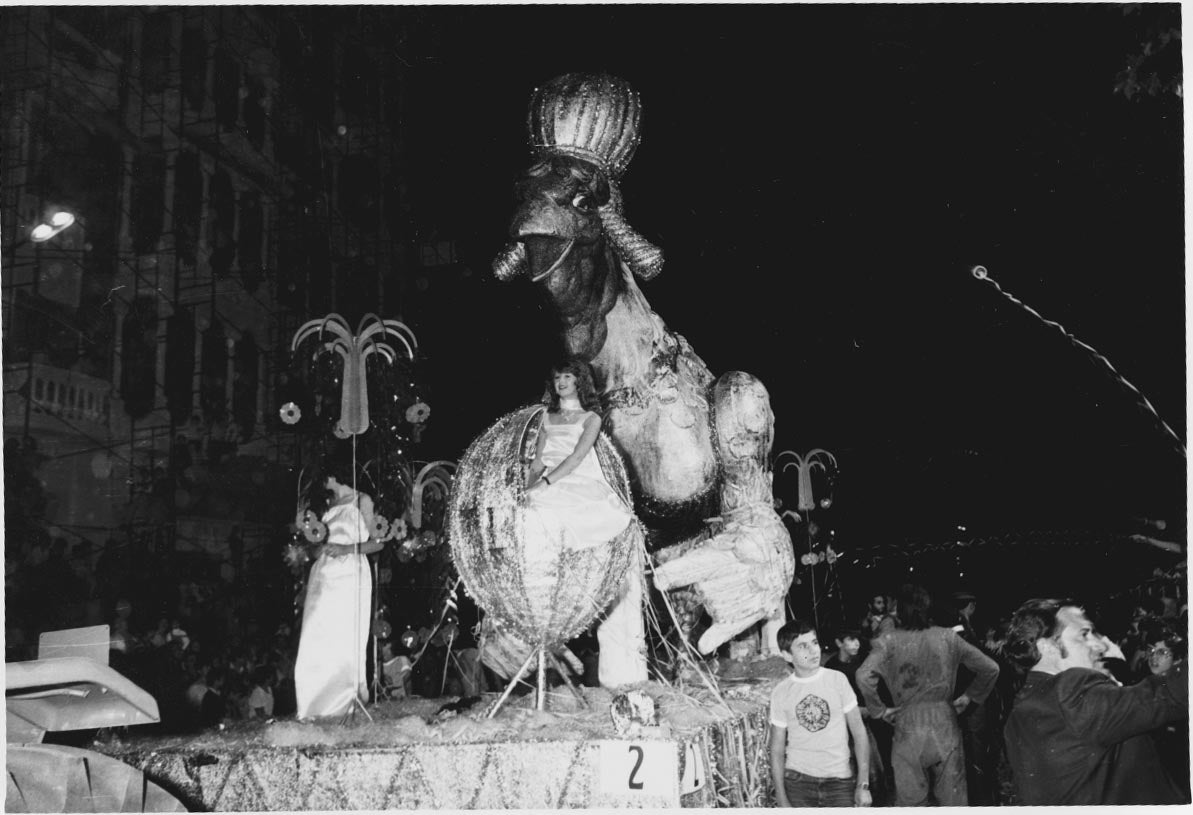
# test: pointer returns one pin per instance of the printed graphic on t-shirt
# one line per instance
(812, 713)
(909, 676)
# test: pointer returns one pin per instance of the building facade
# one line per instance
(231, 172)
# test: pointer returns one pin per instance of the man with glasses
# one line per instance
(1075, 736)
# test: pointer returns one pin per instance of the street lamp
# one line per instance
(58, 221)
(805, 464)
(826, 462)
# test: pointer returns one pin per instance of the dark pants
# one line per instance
(810, 791)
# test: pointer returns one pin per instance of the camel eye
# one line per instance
(583, 201)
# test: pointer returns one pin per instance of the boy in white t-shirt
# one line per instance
(813, 713)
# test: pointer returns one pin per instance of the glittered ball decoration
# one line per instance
(632, 711)
(825, 503)
(548, 597)
(409, 639)
(382, 629)
(290, 413)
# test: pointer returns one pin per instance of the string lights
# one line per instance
(981, 273)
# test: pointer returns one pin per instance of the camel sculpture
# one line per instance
(691, 442)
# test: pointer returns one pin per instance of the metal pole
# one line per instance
(540, 702)
(509, 688)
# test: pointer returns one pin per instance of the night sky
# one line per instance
(822, 179)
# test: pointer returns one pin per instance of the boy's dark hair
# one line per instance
(789, 632)
(847, 633)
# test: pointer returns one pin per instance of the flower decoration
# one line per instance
(807, 559)
(295, 555)
(290, 413)
(379, 528)
(397, 529)
(418, 412)
(316, 532)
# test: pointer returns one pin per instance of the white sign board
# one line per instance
(639, 769)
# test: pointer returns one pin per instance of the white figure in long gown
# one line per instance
(329, 672)
(572, 505)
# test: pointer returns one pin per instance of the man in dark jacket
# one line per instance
(1074, 735)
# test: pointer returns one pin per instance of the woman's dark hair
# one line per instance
(914, 603)
(338, 465)
(792, 630)
(585, 389)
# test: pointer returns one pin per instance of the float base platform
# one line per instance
(411, 756)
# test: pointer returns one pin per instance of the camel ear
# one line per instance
(511, 262)
(643, 257)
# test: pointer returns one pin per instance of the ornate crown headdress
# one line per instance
(594, 117)
(591, 116)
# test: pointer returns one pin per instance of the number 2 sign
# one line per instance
(639, 769)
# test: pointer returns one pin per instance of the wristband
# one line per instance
(545, 478)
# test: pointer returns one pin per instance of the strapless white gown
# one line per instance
(329, 673)
(578, 511)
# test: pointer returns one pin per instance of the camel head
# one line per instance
(557, 222)
(568, 232)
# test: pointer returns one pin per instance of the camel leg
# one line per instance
(770, 630)
(720, 633)
(693, 567)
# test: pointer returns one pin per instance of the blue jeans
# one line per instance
(810, 791)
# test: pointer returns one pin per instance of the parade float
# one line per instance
(689, 452)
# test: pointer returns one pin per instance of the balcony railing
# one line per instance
(62, 400)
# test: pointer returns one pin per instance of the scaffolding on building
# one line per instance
(199, 227)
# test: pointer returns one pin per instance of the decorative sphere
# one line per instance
(486, 516)
(409, 638)
(825, 503)
(382, 629)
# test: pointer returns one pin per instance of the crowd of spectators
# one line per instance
(214, 650)
(902, 640)
(208, 648)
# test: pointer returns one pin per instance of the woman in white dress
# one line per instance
(329, 673)
(570, 505)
